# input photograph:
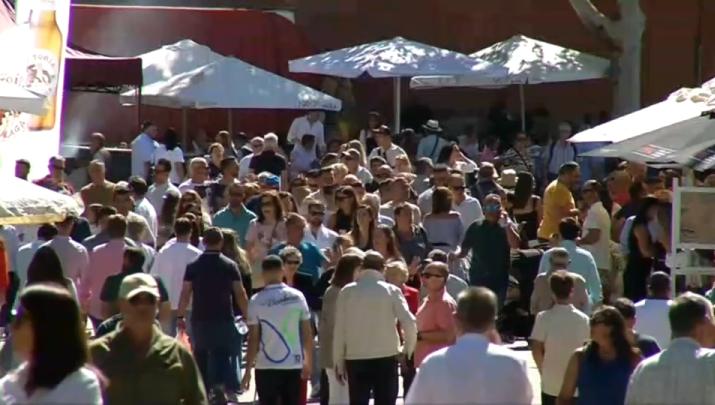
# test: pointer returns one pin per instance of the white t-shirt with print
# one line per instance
(279, 311)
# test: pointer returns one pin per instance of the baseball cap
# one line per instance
(138, 283)
(271, 181)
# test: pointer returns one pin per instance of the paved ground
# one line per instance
(522, 351)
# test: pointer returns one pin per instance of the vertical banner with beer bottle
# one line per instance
(36, 63)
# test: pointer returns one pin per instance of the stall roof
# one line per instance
(90, 71)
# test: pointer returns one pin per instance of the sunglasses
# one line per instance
(428, 276)
(293, 262)
(267, 202)
(317, 213)
(236, 194)
(358, 185)
(342, 197)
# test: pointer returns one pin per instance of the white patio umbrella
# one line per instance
(659, 115)
(231, 83)
(688, 142)
(395, 58)
(26, 203)
(529, 61)
(17, 98)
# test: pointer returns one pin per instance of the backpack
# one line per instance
(551, 153)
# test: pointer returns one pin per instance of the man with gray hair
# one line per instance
(270, 160)
(542, 298)
(366, 345)
(505, 382)
(684, 373)
(198, 177)
(256, 146)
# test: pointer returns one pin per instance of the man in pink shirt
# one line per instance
(435, 318)
(104, 261)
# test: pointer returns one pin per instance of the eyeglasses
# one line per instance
(317, 213)
(428, 276)
(293, 262)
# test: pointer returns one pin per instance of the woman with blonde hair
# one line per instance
(357, 145)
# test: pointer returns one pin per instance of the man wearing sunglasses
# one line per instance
(145, 365)
(469, 208)
(55, 181)
(489, 244)
(317, 233)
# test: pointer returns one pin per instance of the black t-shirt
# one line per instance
(110, 289)
(268, 161)
(212, 276)
(647, 345)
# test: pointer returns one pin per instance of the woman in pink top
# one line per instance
(435, 318)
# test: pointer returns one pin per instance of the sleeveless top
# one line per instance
(530, 218)
(600, 382)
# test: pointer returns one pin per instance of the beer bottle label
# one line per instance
(41, 74)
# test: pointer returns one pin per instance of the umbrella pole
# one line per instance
(230, 120)
(184, 125)
(397, 97)
(523, 107)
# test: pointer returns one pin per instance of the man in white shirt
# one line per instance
(385, 148)
(73, 256)
(431, 144)
(684, 373)
(596, 233)
(244, 166)
(45, 233)
(308, 124)
(317, 233)
(469, 208)
(280, 338)
(170, 265)
(142, 206)
(366, 344)
(124, 203)
(473, 370)
(652, 312)
(557, 333)
(161, 186)
(143, 147)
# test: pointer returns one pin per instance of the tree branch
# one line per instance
(597, 22)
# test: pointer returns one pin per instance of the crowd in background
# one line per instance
(344, 265)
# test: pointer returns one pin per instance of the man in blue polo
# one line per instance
(235, 215)
(313, 258)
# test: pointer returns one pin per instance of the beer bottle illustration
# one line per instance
(43, 67)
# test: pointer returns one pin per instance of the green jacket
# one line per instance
(167, 374)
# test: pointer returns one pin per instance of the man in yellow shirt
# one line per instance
(558, 200)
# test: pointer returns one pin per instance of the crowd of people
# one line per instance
(349, 265)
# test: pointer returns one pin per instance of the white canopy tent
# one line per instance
(395, 58)
(30, 204)
(17, 98)
(528, 61)
(232, 83)
(190, 75)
